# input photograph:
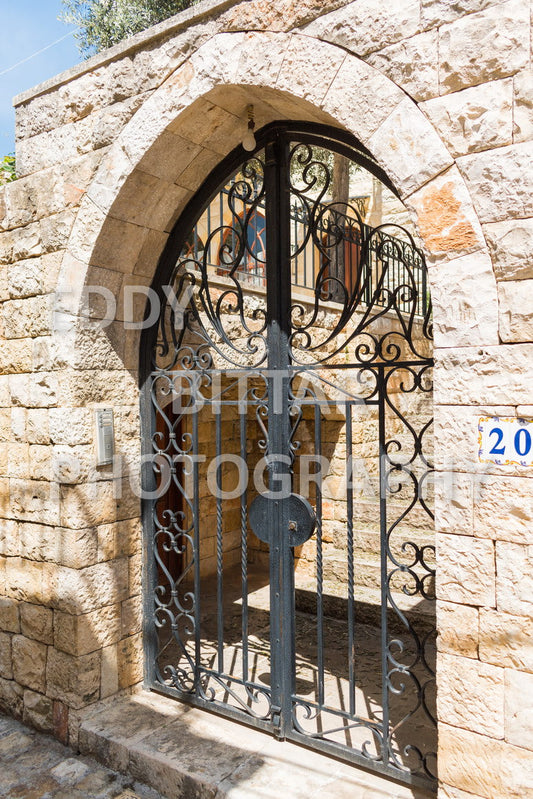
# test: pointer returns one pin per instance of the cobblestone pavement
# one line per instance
(36, 766)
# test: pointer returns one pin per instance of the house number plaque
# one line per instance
(506, 440)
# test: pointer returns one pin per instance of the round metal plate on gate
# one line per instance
(301, 521)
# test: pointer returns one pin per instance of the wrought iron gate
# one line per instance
(287, 424)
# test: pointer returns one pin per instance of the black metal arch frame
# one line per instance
(336, 139)
(287, 343)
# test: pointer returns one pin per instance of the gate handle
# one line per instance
(302, 518)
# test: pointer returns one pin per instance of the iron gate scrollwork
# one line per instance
(288, 479)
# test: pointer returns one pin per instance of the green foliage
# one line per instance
(103, 23)
(7, 169)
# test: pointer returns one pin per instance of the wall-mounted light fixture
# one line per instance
(248, 142)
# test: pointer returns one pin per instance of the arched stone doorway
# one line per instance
(130, 206)
(292, 356)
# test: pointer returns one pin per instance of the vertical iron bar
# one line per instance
(384, 563)
(350, 556)
(148, 420)
(278, 272)
(244, 549)
(208, 232)
(305, 262)
(319, 560)
(196, 553)
(220, 562)
(423, 305)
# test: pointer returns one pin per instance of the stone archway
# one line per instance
(129, 208)
(305, 79)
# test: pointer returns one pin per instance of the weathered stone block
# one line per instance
(506, 640)
(9, 538)
(511, 247)
(474, 119)
(21, 243)
(408, 148)
(500, 182)
(17, 355)
(80, 635)
(33, 391)
(34, 500)
(135, 574)
(109, 675)
(29, 663)
(446, 218)
(514, 587)
(280, 16)
(89, 504)
(25, 278)
(131, 616)
(24, 580)
(77, 464)
(515, 303)
(411, 64)
(75, 681)
(365, 82)
(458, 629)
(130, 661)
(365, 26)
(71, 425)
(436, 12)
(6, 659)
(465, 301)
(454, 497)
(56, 146)
(18, 462)
(11, 698)
(19, 417)
(36, 428)
(523, 106)
(78, 591)
(73, 548)
(466, 573)
(119, 539)
(519, 708)
(484, 46)
(38, 711)
(36, 622)
(503, 509)
(471, 695)
(94, 386)
(9, 615)
(305, 70)
(474, 376)
(492, 769)
(55, 230)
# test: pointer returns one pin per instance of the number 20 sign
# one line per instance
(506, 441)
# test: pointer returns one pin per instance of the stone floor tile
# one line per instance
(70, 771)
(36, 766)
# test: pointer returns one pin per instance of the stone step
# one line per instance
(186, 753)
(420, 613)
(367, 572)
(367, 539)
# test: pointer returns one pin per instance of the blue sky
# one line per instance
(27, 26)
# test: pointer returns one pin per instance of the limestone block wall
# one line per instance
(108, 155)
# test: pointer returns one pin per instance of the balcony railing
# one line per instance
(371, 261)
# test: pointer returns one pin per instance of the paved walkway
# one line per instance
(35, 766)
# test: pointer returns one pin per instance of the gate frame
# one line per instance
(277, 299)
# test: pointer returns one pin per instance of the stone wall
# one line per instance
(108, 155)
